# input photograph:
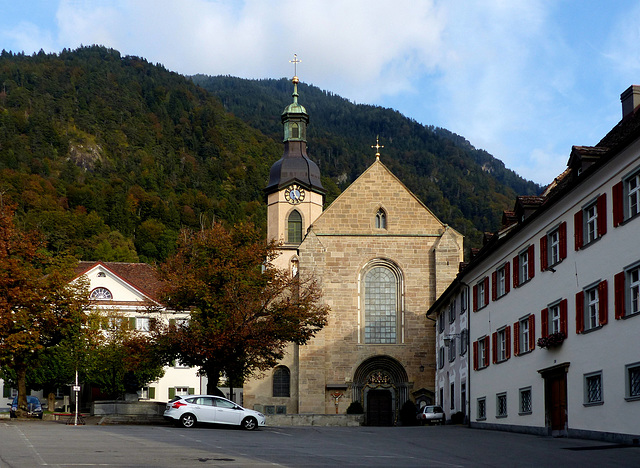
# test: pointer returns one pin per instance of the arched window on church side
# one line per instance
(381, 305)
(381, 219)
(294, 228)
(281, 382)
(295, 131)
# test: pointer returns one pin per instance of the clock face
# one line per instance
(294, 194)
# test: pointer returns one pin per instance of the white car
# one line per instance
(187, 410)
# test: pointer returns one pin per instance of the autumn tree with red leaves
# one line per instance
(244, 311)
(39, 308)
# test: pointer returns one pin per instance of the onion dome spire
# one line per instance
(295, 165)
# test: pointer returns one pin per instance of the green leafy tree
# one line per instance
(121, 359)
(244, 311)
(39, 307)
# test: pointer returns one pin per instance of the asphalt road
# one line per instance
(45, 443)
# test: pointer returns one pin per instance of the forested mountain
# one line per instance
(111, 155)
(465, 187)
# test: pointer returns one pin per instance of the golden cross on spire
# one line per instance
(377, 146)
(295, 62)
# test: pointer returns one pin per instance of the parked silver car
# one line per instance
(431, 414)
(187, 410)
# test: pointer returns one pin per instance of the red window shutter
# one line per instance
(516, 273)
(563, 316)
(516, 338)
(507, 278)
(494, 285)
(544, 260)
(532, 332)
(544, 322)
(475, 297)
(618, 290)
(618, 204)
(532, 261)
(508, 341)
(577, 229)
(562, 235)
(475, 355)
(602, 215)
(494, 347)
(603, 302)
(580, 312)
(486, 347)
(486, 291)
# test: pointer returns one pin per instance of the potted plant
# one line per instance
(552, 340)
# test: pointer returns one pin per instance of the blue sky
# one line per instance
(524, 80)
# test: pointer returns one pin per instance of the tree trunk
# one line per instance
(213, 376)
(21, 373)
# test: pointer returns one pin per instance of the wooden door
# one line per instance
(379, 408)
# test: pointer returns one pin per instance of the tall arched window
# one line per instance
(381, 219)
(281, 382)
(294, 228)
(382, 304)
(295, 131)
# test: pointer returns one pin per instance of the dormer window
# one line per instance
(381, 219)
(100, 294)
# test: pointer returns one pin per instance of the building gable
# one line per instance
(354, 211)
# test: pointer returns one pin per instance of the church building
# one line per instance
(381, 258)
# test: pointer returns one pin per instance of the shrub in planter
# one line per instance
(408, 414)
(355, 408)
(457, 418)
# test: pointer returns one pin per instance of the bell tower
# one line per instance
(294, 193)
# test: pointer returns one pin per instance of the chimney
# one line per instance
(630, 100)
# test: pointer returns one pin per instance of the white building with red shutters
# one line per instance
(554, 325)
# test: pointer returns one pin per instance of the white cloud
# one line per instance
(30, 38)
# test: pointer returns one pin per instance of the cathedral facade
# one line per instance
(381, 258)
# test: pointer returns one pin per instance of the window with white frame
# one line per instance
(633, 195)
(525, 401)
(142, 324)
(482, 408)
(100, 294)
(181, 391)
(294, 228)
(591, 223)
(554, 318)
(501, 405)
(632, 377)
(593, 388)
(524, 336)
(501, 279)
(502, 345)
(591, 308)
(481, 353)
(554, 247)
(634, 291)
(523, 266)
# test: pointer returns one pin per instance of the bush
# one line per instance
(355, 408)
(408, 414)
(457, 418)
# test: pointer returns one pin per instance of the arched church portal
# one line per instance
(381, 385)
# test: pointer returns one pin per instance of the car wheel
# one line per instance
(187, 420)
(249, 423)
(40, 415)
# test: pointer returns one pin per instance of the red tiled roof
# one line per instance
(141, 276)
